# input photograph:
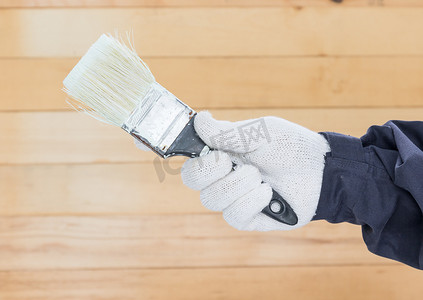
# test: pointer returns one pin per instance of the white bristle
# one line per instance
(109, 81)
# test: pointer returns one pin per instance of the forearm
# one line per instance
(365, 182)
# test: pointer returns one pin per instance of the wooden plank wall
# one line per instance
(85, 215)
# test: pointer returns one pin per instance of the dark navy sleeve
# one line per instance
(377, 182)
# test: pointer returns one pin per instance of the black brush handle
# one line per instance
(189, 144)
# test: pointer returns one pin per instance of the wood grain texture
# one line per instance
(171, 241)
(86, 215)
(217, 31)
(302, 283)
(159, 226)
(238, 82)
(99, 189)
(204, 3)
(71, 137)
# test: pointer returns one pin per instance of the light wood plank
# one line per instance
(205, 3)
(217, 31)
(193, 3)
(160, 226)
(301, 283)
(71, 137)
(238, 82)
(171, 241)
(101, 189)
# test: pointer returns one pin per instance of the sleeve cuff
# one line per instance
(343, 179)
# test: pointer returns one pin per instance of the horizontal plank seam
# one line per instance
(227, 108)
(170, 238)
(217, 7)
(106, 216)
(64, 164)
(335, 265)
(226, 57)
(231, 56)
(198, 6)
(294, 6)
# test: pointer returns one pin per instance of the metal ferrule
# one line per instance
(158, 119)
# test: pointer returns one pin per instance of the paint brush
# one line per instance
(112, 84)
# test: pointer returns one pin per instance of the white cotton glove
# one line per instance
(285, 156)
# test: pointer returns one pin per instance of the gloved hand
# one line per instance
(285, 156)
